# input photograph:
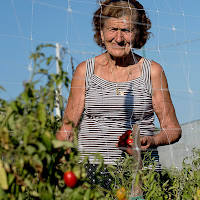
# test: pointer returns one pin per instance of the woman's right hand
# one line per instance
(61, 135)
(64, 135)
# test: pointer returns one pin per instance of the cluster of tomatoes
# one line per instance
(126, 139)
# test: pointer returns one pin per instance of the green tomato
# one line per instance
(77, 171)
(83, 173)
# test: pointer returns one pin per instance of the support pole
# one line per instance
(137, 165)
(59, 91)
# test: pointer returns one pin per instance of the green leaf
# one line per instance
(26, 135)
(37, 160)
(14, 106)
(87, 194)
(49, 59)
(48, 157)
(45, 196)
(30, 149)
(152, 191)
(42, 71)
(11, 122)
(34, 194)
(146, 177)
(77, 171)
(45, 137)
(137, 179)
(151, 178)
(197, 175)
(25, 97)
(2, 88)
(11, 178)
(41, 147)
(77, 195)
(65, 144)
(187, 196)
(3, 195)
(42, 113)
(165, 184)
(39, 47)
(3, 177)
(49, 45)
(28, 183)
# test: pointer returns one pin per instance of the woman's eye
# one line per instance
(123, 30)
(113, 29)
(126, 30)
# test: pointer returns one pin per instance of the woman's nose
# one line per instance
(119, 36)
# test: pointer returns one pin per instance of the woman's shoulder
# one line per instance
(156, 69)
(80, 69)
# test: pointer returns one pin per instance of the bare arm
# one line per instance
(164, 109)
(75, 104)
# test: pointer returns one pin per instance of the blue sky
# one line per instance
(175, 42)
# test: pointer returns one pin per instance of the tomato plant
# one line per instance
(32, 161)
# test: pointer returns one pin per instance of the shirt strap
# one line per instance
(146, 74)
(89, 72)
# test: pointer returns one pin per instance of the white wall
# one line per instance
(174, 154)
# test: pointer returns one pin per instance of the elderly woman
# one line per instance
(119, 88)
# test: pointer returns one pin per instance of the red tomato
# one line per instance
(122, 143)
(70, 179)
(123, 137)
(128, 132)
(129, 141)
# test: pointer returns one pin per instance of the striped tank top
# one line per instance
(108, 115)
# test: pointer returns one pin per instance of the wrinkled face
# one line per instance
(118, 35)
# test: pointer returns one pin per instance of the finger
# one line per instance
(144, 141)
(122, 148)
(127, 149)
(130, 152)
(143, 148)
(141, 140)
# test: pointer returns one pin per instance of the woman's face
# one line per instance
(118, 36)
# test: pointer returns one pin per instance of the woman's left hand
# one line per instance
(147, 142)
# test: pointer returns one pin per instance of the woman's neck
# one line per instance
(122, 61)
